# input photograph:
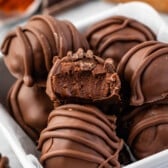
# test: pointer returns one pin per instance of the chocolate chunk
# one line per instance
(144, 71)
(82, 77)
(79, 136)
(30, 107)
(147, 129)
(113, 37)
(29, 50)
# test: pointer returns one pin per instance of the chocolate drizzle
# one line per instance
(35, 45)
(144, 68)
(84, 123)
(150, 123)
(114, 36)
(30, 107)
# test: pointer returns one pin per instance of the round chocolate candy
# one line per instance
(147, 128)
(144, 71)
(113, 37)
(79, 136)
(30, 107)
(29, 50)
(82, 77)
(4, 162)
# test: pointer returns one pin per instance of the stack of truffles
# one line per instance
(143, 71)
(74, 88)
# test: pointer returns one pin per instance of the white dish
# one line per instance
(18, 140)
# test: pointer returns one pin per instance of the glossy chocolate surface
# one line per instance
(79, 136)
(29, 50)
(145, 70)
(113, 37)
(30, 107)
(147, 129)
(82, 77)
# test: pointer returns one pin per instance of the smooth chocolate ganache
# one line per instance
(4, 162)
(79, 136)
(144, 71)
(147, 129)
(82, 77)
(29, 50)
(30, 107)
(113, 37)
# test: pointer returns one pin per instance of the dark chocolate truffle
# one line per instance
(144, 69)
(84, 78)
(29, 50)
(4, 162)
(147, 129)
(30, 107)
(113, 37)
(79, 136)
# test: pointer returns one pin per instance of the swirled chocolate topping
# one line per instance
(113, 37)
(4, 162)
(29, 50)
(144, 69)
(79, 136)
(83, 77)
(147, 129)
(30, 107)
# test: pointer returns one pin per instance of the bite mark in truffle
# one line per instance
(83, 77)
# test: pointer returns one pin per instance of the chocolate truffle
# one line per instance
(82, 77)
(30, 107)
(147, 128)
(113, 37)
(29, 50)
(144, 70)
(79, 136)
(4, 162)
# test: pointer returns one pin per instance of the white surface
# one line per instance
(16, 141)
(158, 160)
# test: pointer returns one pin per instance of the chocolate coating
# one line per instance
(29, 50)
(79, 136)
(147, 128)
(30, 107)
(84, 78)
(144, 69)
(113, 37)
(4, 162)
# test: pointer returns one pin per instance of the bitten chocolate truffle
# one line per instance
(144, 70)
(113, 37)
(79, 136)
(29, 50)
(147, 128)
(4, 162)
(82, 77)
(30, 107)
